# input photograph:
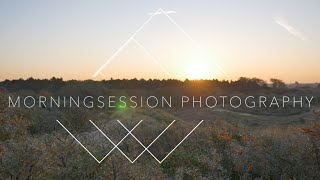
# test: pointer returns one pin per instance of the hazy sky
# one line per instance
(72, 39)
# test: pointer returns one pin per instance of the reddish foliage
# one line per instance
(226, 137)
(313, 131)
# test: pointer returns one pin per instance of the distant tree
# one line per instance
(30, 79)
(56, 79)
(249, 83)
(260, 82)
(277, 83)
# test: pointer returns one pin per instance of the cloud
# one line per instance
(163, 12)
(292, 30)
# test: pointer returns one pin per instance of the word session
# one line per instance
(161, 101)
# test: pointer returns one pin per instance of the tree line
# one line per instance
(243, 83)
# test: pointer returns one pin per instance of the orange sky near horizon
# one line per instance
(210, 40)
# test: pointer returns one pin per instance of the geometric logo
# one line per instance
(129, 132)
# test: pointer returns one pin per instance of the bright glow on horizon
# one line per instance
(200, 64)
(197, 71)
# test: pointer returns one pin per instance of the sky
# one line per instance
(205, 39)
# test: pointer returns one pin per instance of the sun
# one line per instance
(197, 71)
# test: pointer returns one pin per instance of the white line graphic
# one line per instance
(181, 141)
(116, 145)
(146, 148)
(124, 45)
(78, 141)
(130, 133)
(184, 32)
(102, 74)
(158, 12)
(154, 59)
(168, 12)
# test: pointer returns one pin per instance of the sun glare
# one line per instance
(197, 71)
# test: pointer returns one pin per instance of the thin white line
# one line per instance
(115, 145)
(144, 23)
(155, 141)
(119, 50)
(102, 74)
(168, 12)
(130, 133)
(114, 55)
(185, 33)
(139, 142)
(154, 59)
(78, 141)
(132, 38)
(180, 142)
(123, 139)
(191, 39)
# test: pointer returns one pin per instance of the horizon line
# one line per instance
(147, 79)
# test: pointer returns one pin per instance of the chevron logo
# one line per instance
(115, 146)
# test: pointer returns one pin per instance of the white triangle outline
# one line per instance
(108, 60)
(144, 49)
